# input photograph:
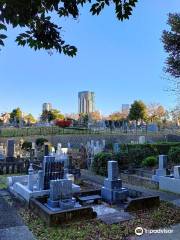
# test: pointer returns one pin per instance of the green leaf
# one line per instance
(2, 36)
(3, 27)
(1, 43)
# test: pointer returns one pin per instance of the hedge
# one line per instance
(137, 155)
(160, 148)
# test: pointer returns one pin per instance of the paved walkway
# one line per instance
(11, 224)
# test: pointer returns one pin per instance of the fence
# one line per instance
(54, 130)
(41, 131)
(19, 167)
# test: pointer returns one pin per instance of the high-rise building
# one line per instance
(46, 107)
(86, 102)
(125, 108)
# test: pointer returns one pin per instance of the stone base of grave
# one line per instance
(10, 159)
(113, 184)
(159, 173)
(52, 218)
(53, 204)
(21, 190)
(114, 196)
(62, 204)
(169, 184)
(18, 185)
(67, 204)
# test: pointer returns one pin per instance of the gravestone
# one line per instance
(10, 150)
(177, 172)
(46, 150)
(153, 127)
(103, 144)
(2, 157)
(162, 170)
(52, 170)
(40, 184)
(112, 191)
(116, 148)
(61, 194)
(31, 178)
(171, 184)
(113, 170)
(142, 139)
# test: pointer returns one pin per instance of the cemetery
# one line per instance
(60, 184)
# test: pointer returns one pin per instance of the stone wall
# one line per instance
(75, 140)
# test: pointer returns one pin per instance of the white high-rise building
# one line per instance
(125, 108)
(86, 102)
(46, 107)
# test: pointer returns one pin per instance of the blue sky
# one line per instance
(119, 61)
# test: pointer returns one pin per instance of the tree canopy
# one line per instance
(51, 115)
(30, 119)
(16, 115)
(138, 111)
(41, 32)
(171, 41)
(155, 112)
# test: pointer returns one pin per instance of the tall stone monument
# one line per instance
(162, 170)
(10, 150)
(112, 191)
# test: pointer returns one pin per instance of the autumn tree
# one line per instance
(54, 114)
(155, 112)
(95, 116)
(118, 116)
(30, 119)
(175, 114)
(41, 30)
(16, 115)
(84, 118)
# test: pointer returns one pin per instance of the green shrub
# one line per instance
(160, 147)
(163, 148)
(99, 165)
(174, 154)
(138, 154)
(27, 145)
(150, 161)
(109, 146)
(122, 159)
(40, 141)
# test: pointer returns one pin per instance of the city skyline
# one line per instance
(48, 106)
(122, 71)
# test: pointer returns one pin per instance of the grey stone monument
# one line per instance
(162, 170)
(10, 150)
(31, 178)
(46, 150)
(40, 183)
(112, 191)
(116, 148)
(177, 172)
(61, 194)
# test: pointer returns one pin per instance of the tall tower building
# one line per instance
(46, 107)
(125, 108)
(86, 102)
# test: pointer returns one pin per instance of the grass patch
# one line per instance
(165, 215)
(3, 179)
